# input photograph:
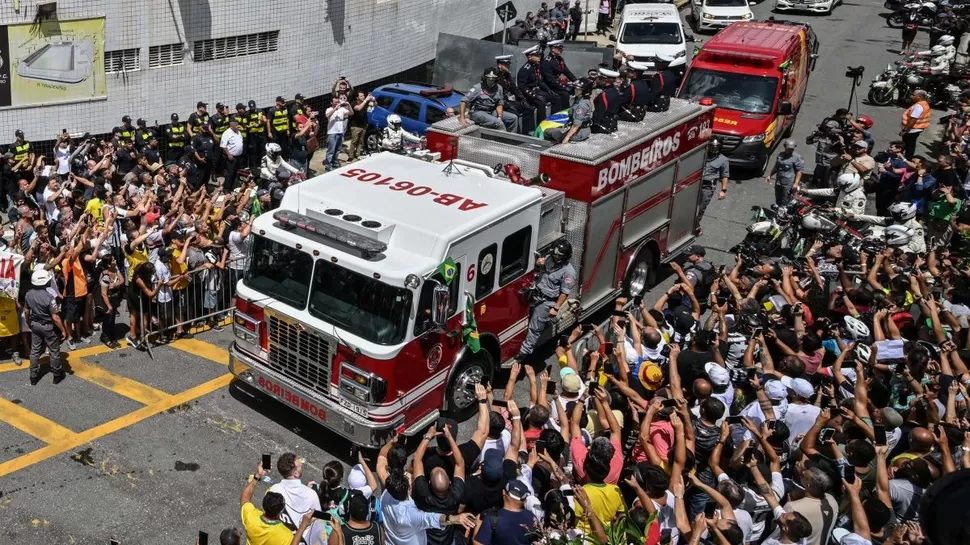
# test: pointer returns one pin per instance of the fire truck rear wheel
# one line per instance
(640, 276)
(460, 400)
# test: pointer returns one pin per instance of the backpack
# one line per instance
(707, 277)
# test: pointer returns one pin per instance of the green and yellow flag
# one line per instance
(469, 332)
(448, 270)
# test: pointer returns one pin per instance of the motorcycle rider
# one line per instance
(273, 166)
(900, 213)
(556, 281)
(950, 50)
(393, 136)
(850, 198)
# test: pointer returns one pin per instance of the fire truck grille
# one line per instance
(728, 142)
(300, 354)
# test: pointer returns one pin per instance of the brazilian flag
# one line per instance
(448, 270)
(555, 120)
(469, 332)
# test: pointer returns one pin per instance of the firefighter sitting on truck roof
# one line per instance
(576, 128)
(556, 281)
(393, 136)
(485, 105)
(606, 105)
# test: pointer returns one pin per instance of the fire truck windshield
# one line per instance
(731, 90)
(280, 272)
(360, 305)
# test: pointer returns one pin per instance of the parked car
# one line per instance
(713, 15)
(814, 6)
(418, 105)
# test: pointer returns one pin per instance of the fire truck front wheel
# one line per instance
(460, 400)
(641, 273)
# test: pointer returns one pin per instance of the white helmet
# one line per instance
(945, 40)
(394, 119)
(862, 353)
(928, 5)
(898, 235)
(855, 328)
(914, 80)
(937, 50)
(902, 212)
(849, 182)
(273, 148)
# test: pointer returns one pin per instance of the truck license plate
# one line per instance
(353, 407)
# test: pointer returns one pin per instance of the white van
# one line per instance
(647, 31)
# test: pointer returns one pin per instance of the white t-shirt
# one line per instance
(502, 443)
(163, 275)
(238, 251)
(337, 123)
(50, 206)
(960, 312)
(800, 418)
(915, 113)
(62, 154)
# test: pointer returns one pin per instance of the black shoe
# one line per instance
(114, 345)
(59, 378)
(34, 381)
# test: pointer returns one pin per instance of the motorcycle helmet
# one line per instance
(855, 329)
(898, 235)
(713, 147)
(866, 121)
(489, 77)
(273, 150)
(585, 85)
(562, 250)
(814, 222)
(862, 352)
(913, 79)
(929, 5)
(945, 40)
(175, 118)
(902, 212)
(394, 121)
(937, 51)
(848, 182)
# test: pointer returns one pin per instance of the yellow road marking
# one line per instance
(33, 424)
(77, 439)
(71, 356)
(206, 350)
(124, 386)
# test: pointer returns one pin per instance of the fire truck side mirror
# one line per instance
(439, 308)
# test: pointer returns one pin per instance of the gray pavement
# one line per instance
(152, 451)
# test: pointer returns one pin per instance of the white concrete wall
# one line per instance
(362, 39)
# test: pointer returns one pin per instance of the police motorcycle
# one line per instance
(925, 10)
(773, 230)
(894, 85)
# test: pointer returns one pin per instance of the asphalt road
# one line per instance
(152, 451)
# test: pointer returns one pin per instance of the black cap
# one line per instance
(220, 105)
(298, 97)
(252, 104)
(126, 119)
(241, 106)
(175, 117)
(18, 133)
(200, 104)
(280, 99)
(696, 249)
(141, 122)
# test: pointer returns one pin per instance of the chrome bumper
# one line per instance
(813, 8)
(323, 411)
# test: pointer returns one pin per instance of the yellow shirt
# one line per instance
(9, 317)
(134, 259)
(177, 268)
(606, 501)
(260, 531)
(94, 207)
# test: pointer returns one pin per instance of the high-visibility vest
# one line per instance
(126, 134)
(21, 151)
(176, 136)
(924, 119)
(281, 120)
(256, 125)
(220, 126)
(243, 122)
(199, 120)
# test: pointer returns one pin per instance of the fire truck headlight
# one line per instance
(412, 281)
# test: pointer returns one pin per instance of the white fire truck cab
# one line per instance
(345, 316)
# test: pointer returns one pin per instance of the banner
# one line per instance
(10, 274)
(52, 61)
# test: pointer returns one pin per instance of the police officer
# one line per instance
(717, 169)
(42, 310)
(515, 102)
(197, 118)
(607, 104)
(218, 124)
(125, 131)
(529, 82)
(668, 79)
(576, 128)
(142, 134)
(556, 75)
(556, 281)
(279, 121)
(176, 138)
(639, 94)
(202, 147)
(256, 130)
(297, 109)
(23, 156)
(485, 106)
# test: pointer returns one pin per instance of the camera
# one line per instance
(854, 72)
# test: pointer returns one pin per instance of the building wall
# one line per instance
(365, 40)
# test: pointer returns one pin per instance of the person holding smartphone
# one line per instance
(264, 527)
(437, 493)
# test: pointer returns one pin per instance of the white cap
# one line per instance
(40, 278)
(534, 50)
(800, 386)
(356, 479)
(607, 73)
(640, 66)
(719, 376)
(775, 390)
(503, 58)
(555, 43)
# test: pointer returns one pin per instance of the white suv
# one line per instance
(814, 6)
(717, 14)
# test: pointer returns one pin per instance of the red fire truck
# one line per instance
(344, 314)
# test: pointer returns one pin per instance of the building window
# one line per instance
(122, 60)
(164, 55)
(235, 46)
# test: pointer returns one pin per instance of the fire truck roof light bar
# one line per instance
(367, 246)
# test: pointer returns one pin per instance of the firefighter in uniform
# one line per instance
(143, 134)
(607, 104)
(667, 77)
(717, 169)
(218, 124)
(514, 99)
(256, 124)
(279, 120)
(125, 131)
(638, 94)
(529, 82)
(45, 325)
(197, 118)
(576, 128)
(176, 138)
(556, 281)
(556, 75)
(484, 105)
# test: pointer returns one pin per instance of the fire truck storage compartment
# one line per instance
(647, 203)
(603, 240)
(686, 192)
(550, 217)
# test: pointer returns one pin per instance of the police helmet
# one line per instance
(898, 235)
(18, 133)
(175, 118)
(937, 50)
(489, 74)
(945, 40)
(562, 251)
(252, 104)
(902, 211)
(714, 146)
(141, 122)
(848, 182)
(585, 86)
(394, 119)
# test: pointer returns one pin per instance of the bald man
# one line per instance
(439, 494)
(921, 443)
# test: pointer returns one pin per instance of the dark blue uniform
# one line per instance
(534, 91)
(552, 68)
(606, 108)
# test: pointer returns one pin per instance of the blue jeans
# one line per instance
(334, 141)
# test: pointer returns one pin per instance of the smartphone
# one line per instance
(500, 403)
(748, 454)
(637, 300)
(734, 419)
(592, 385)
(771, 424)
(540, 446)
(750, 373)
(607, 348)
(668, 403)
(354, 451)
(563, 341)
(826, 434)
(550, 388)
(880, 433)
(439, 426)
(322, 515)
(619, 314)
(721, 300)
(568, 492)
(709, 509)
(608, 367)
(900, 368)
(266, 462)
(825, 401)
(203, 538)
(848, 473)
(586, 328)
(549, 370)
(756, 331)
